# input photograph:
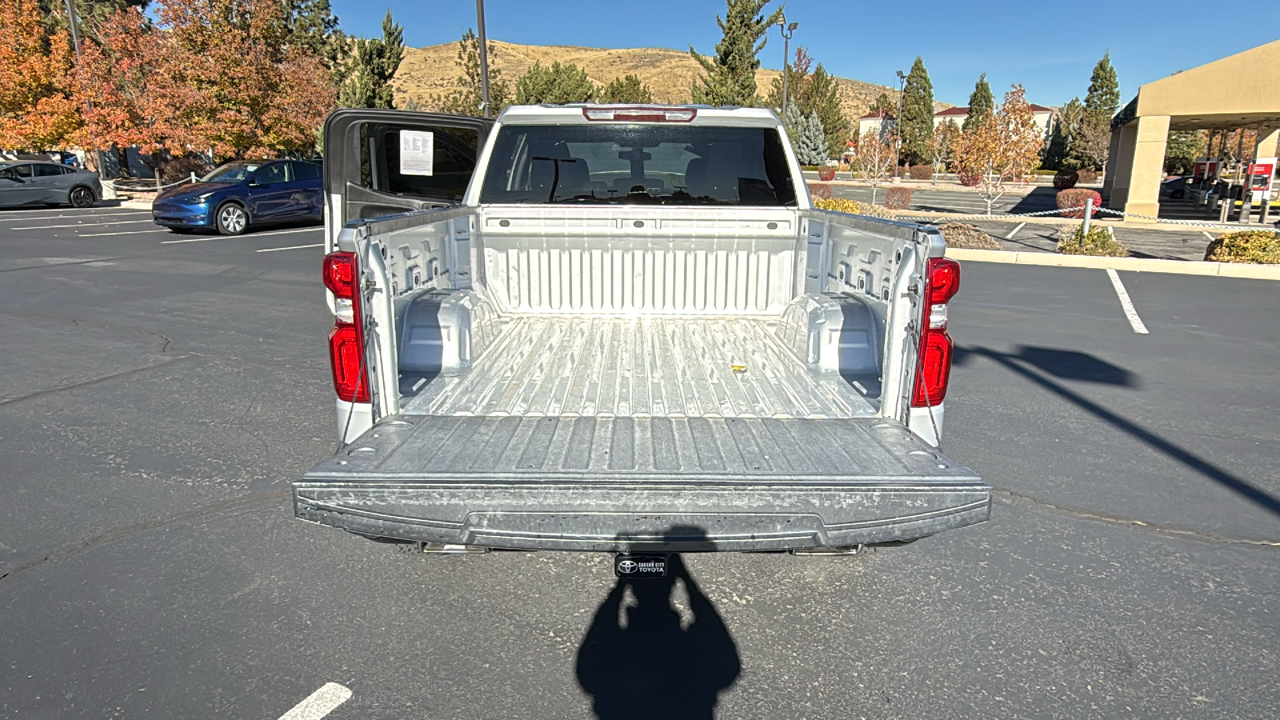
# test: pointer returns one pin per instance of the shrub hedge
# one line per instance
(1075, 198)
(820, 190)
(1087, 175)
(1100, 241)
(1245, 246)
(897, 198)
(921, 172)
(1066, 179)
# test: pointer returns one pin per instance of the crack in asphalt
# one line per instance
(1014, 497)
(119, 533)
(94, 381)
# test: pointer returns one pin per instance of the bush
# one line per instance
(1076, 198)
(1245, 246)
(971, 237)
(1066, 179)
(1087, 175)
(1099, 242)
(897, 198)
(921, 172)
(970, 179)
(175, 169)
(853, 207)
(1043, 171)
(820, 190)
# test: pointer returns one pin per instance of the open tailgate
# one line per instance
(627, 483)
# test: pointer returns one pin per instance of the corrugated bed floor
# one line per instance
(640, 367)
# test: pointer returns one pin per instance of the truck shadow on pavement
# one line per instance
(639, 660)
(1072, 365)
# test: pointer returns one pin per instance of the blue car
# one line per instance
(243, 193)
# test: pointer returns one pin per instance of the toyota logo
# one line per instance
(626, 567)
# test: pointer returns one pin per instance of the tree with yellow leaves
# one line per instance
(1003, 147)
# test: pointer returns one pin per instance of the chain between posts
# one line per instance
(1078, 208)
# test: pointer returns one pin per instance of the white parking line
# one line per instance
(82, 225)
(319, 703)
(1206, 234)
(86, 210)
(125, 232)
(291, 247)
(234, 237)
(1015, 231)
(115, 214)
(1129, 311)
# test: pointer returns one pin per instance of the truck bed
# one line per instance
(611, 366)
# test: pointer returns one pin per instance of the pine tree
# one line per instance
(627, 89)
(917, 115)
(467, 98)
(980, 104)
(558, 84)
(375, 62)
(1104, 89)
(731, 75)
(1066, 124)
(1090, 143)
(313, 26)
(807, 136)
(817, 92)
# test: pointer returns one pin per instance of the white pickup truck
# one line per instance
(624, 329)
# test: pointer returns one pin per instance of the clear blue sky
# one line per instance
(1049, 47)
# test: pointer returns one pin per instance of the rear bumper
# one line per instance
(643, 514)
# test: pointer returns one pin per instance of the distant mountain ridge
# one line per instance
(434, 70)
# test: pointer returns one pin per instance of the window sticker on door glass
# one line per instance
(417, 152)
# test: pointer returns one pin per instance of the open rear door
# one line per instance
(382, 162)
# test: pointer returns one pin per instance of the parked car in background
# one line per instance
(240, 194)
(47, 183)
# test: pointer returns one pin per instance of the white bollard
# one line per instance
(1088, 213)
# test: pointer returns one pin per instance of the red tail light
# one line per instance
(941, 284)
(346, 341)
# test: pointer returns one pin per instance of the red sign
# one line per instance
(1262, 175)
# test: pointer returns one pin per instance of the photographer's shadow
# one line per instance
(644, 664)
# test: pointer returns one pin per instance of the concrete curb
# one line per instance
(139, 204)
(1174, 267)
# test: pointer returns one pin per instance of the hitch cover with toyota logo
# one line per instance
(640, 566)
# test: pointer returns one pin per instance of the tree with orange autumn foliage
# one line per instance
(254, 94)
(1004, 147)
(208, 75)
(37, 107)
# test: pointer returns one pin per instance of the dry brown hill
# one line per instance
(430, 71)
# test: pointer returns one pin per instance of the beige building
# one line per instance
(1043, 117)
(1240, 91)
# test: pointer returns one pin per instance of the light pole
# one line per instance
(897, 123)
(484, 60)
(787, 30)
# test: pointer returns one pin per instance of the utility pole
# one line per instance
(74, 22)
(787, 31)
(897, 123)
(484, 60)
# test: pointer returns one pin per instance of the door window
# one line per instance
(454, 160)
(306, 171)
(277, 173)
(47, 170)
(22, 171)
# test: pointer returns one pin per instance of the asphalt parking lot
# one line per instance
(162, 390)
